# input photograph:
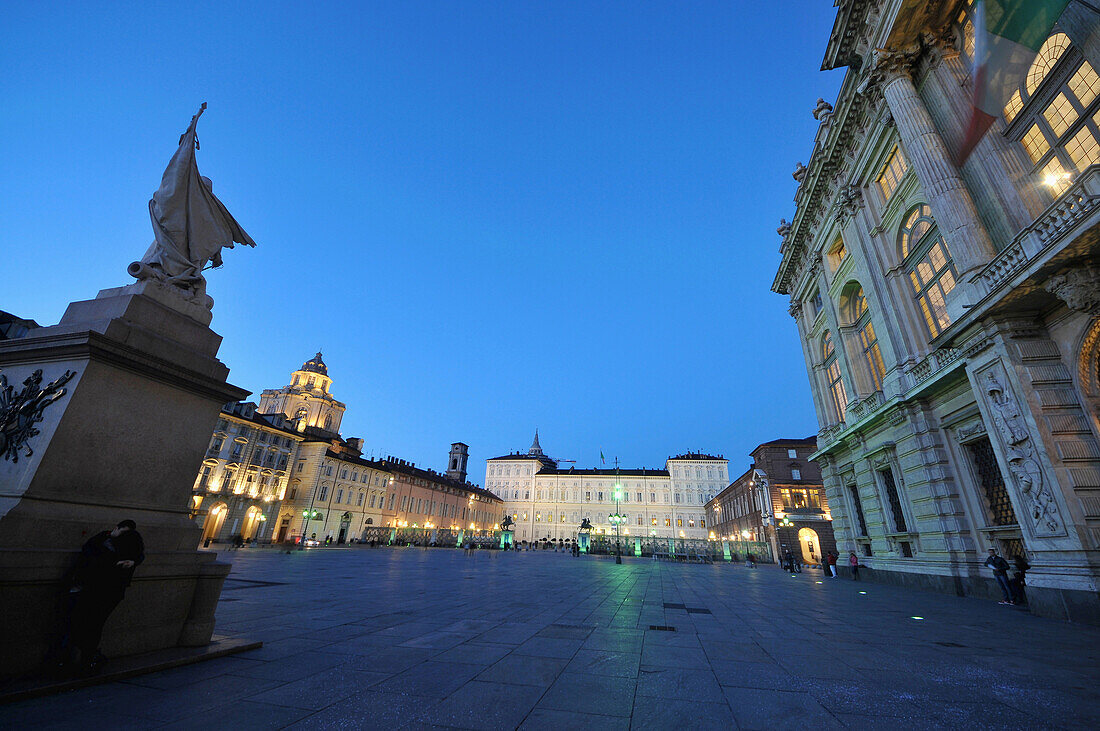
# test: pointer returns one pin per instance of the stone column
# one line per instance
(1001, 165)
(951, 202)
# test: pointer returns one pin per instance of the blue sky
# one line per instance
(492, 217)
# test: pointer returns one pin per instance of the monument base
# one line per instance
(125, 440)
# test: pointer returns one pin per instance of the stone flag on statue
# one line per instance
(1007, 35)
(190, 225)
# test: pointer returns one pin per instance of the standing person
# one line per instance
(1000, 573)
(831, 560)
(750, 560)
(1018, 583)
(853, 562)
(103, 571)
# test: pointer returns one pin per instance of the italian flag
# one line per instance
(1007, 35)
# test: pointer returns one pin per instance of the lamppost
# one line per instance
(617, 520)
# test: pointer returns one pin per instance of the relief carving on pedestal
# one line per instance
(19, 412)
(1023, 464)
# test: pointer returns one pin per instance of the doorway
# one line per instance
(810, 544)
(213, 524)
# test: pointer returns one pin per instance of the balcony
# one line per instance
(1037, 243)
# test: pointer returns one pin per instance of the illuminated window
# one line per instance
(1060, 137)
(1049, 53)
(837, 254)
(668, 522)
(1083, 148)
(679, 522)
(931, 271)
(832, 376)
(917, 224)
(653, 520)
(892, 173)
(856, 313)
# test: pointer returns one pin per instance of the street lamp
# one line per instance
(617, 520)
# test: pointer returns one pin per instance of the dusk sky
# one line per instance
(490, 217)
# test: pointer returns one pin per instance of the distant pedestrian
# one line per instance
(103, 571)
(853, 563)
(1000, 573)
(750, 560)
(830, 562)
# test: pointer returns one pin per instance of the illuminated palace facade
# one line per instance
(279, 471)
(548, 501)
(949, 315)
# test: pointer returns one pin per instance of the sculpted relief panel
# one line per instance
(1037, 503)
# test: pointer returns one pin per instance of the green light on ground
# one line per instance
(916, 618)
(863, 592)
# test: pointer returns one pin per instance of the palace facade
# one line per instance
(282, 471)
(949, 315)
(548, 501)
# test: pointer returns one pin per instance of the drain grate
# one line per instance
(662, 627)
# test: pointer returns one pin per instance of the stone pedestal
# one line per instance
(507, 538)
(125, 441)
(582, 542)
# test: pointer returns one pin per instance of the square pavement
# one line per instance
(434, 638)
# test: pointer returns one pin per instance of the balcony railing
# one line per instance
(1078, 202)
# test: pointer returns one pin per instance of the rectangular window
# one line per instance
(340, 495)
(392, 497)
(639, 520)
(679, 522)
(894, 500)
(404, 502)
(538, 517)
(652, 497)
(324, 492)
(892, 173)
(653, 520)
(796, 474)
(293, 493)
(677, 497)
(639, 497)
(562, 518)
(702, 522)
(372, 500)
(587, 496)
(668, 522)
(998, 506)
(359, 500)
(792, 454)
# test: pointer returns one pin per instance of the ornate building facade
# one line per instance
(949, 315)
(283, 471)
(244, 476)
(779, 500)
(548, 501)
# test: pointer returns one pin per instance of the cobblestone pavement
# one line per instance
(416, 638)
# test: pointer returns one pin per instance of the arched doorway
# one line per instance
(213, 524)
(810, 544)
(251, 523)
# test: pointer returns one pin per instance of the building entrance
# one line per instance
(810, 544)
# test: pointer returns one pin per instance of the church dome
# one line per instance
(315, 365)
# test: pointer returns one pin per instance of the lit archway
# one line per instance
(213, 524)
(810, 545)
(251, 523)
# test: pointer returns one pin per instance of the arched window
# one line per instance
(328, 422)
(1055, 114)
(837, 394)
(855, 312)
(931, 271)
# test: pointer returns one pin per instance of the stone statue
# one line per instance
(507, 523)
(586, 524)
(1030, 479)
(784, 227)
(799, 173)
(823, 110)
(190, 226)
(1011, 421)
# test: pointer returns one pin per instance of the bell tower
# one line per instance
(456, 462)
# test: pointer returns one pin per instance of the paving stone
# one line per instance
(591, 694)
(483, 705)
(660, 714)
(688, 684)
(548, 718)
(767, 709)
(525, 670)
